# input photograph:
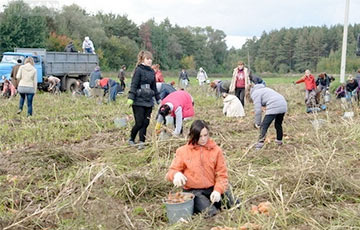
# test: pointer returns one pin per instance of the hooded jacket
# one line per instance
(203, 166)
(27, 76)
(233, 80)
(274, 102)
(233, 107)
(143, 86)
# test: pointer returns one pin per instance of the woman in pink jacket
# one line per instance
(178, 105)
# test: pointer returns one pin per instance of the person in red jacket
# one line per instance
(199, 167)
(158, 74)
(108, 85)
(178, 105)
(310, 86)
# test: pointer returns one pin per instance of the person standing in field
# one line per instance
(121, 77)
(275, 106)
(158, 74)
(310, 87)
(142, 91)
(183, 79)
(199, 167)
(14, 71)
(201, 76)
(27, 77)
(240, 82)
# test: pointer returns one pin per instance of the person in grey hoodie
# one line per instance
(275, 106)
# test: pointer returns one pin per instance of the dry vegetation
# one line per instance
(68, 167)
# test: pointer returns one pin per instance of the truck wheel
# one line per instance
(72, 85)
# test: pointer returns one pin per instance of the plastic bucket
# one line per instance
(178, 211)
(120, 122)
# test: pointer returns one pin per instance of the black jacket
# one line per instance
(143, 86)
(351, 86)
(324, 81)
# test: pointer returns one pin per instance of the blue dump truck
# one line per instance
(69, 67)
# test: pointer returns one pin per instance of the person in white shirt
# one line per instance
(88, 46)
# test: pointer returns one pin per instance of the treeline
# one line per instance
(295, 50)
(117, 41)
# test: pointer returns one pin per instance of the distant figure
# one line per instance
(322, 83)
(9, 90)
(70, 48)
(232, 106)
(340, 91)
(87, 89)
(358, 77)
(54, 82)
(121, 77)
(27, 87)
(351, 87)
(96, 74)
(183, 79)
(256, 79)
(220, 87)
(108, 85)
(240, 82)
(310, 87)
(88, 46)
(158, 74)
(14, 71)
(201, 76)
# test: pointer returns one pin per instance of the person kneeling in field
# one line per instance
(275, 106)
(199, 167)
(232, 106)
(178, 105)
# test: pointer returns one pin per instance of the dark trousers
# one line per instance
(142, 119)
(29, 97)
(267, 122)
(240, 93)
(122, 84)
(202, 201)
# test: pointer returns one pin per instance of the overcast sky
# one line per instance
(237, 18)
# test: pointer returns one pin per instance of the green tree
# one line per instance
(21, 27)
(120, 51)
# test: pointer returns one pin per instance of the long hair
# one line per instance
(29, 60)
(142, 55)
(164, 110)
(195, 130)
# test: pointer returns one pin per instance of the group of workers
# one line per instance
(199, 166)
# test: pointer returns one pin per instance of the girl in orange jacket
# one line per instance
(199, 167)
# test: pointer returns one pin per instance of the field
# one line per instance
(69, 166)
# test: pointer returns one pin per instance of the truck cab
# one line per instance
(10, 59)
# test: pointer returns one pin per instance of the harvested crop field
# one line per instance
(69, 167)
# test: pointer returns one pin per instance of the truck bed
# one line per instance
(63, 63)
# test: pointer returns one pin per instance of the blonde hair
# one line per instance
(29, 60)
(142, 55)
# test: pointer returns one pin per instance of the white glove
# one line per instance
(215, 196)
(179, 179)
